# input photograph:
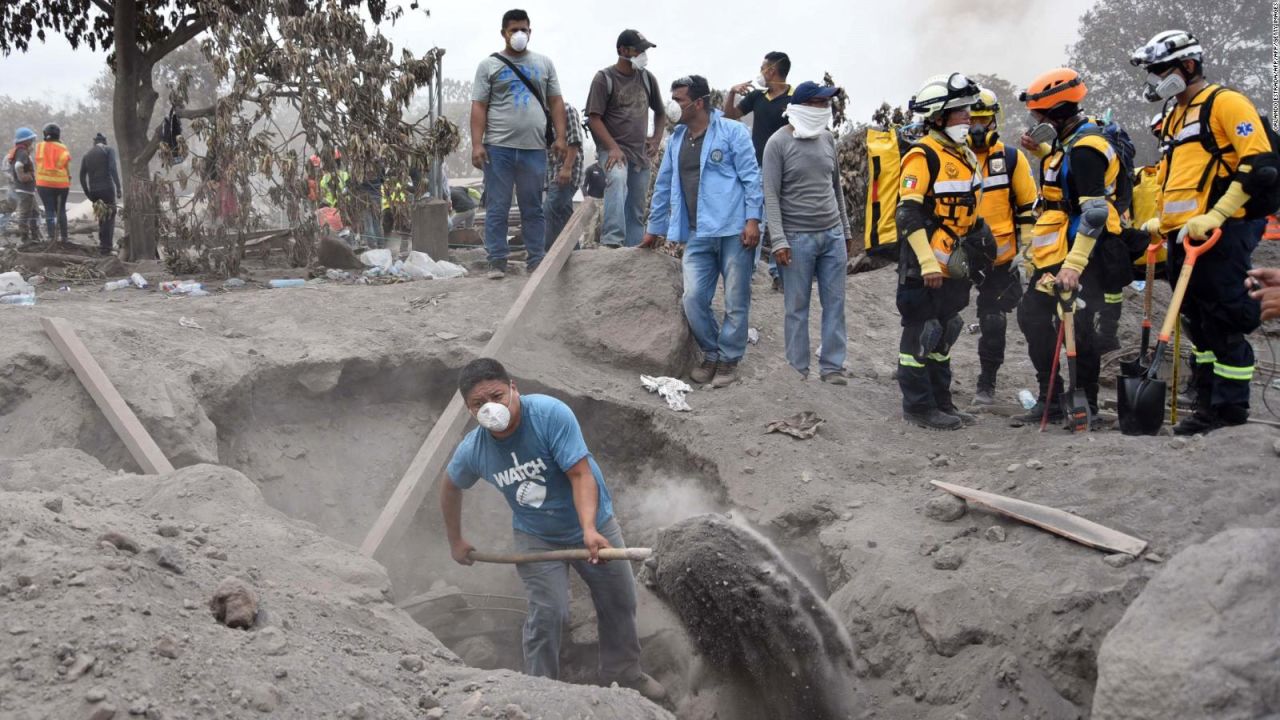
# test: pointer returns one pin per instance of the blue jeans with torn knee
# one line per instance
(706, 261)
(613, 592)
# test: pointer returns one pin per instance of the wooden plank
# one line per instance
(434, 454)
(135, 437)
(1085, 532)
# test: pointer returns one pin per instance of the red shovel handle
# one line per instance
(1153, 248)
(1196, 248)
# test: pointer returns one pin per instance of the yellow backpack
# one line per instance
(884, 164)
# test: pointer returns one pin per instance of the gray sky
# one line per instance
(876, 50)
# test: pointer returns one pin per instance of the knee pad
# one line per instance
(950, 333)
(993, 324)
(931, 333)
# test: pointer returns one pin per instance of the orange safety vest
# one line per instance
(1049, 241)
(53, 162)
(952, 196)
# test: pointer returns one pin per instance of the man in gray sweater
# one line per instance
(805, 210)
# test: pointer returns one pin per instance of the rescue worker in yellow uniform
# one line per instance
(938, 218)
(1009, 196)
(1146, 186)
(1220, 171)
(1075, 239)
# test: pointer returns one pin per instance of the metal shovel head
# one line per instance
(1140, 404)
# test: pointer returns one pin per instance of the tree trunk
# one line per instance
(133, 95)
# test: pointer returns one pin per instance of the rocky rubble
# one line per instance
(106, 617)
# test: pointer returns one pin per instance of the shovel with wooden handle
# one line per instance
(633, 553)
(1140, 401)
(1138, 366)
(1078, 414)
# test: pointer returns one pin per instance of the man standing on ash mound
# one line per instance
(531, 448)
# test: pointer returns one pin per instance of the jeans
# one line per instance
(28, 217)
(55, 209)
(557, 209)
(526, 171)
(706, 261)
(765, 249)
(613, 592)
(107, 225)
(820, 255)
(625, 187)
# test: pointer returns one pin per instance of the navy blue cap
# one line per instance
(810, 90)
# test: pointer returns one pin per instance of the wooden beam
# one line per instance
(135, 437)
(434, 454)
(1058, 522)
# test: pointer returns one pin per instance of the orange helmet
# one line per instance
(1060, 85)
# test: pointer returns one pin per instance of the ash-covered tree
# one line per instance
(1235, 37)
(1014, 117)
(318, 59)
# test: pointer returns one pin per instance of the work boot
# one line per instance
(726, 375)
(649, 688)
(1036, 412)
(1197, 423)
(986, 394)
(965, 418)
(704, 372)
(933, 419)
(836, 377)
(777, 283)
(497, 271)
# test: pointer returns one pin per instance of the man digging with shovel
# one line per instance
(531, 448)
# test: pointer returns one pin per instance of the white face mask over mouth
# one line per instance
(640, 61)
(957, 133)
(519, 41)
(494, 417)
(808, 121)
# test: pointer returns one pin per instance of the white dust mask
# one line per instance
(520, 41)
(640, 61)
(673, 111)
(957, 133)
(761, 82)
(494, 417)
(808, 121)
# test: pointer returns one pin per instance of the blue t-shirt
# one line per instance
(529, 469)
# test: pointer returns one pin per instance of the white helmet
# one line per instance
(944, 92)
(1167, 47)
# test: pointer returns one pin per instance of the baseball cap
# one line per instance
(634, 39)
(810, 90)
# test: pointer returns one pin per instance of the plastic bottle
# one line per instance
(287, 283)
(26, 298)
(233, 283)
(180, 287)
(118, 284)
(1027, 398)
(138, 281)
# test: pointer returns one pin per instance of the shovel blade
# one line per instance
(1079, 415)
(1140, 405)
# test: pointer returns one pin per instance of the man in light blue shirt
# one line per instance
(709, 197)
(530, 447)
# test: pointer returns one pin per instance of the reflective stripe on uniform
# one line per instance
(1004, 246)
(1044, 240)
(1188, 131)
(1050, 174)
(1113, 298)
(943, 257)
(953, 186)
(1233, 372)
(1204, 358)
(907, 360)
(1173, 207)
(939, 357)
(995, 180)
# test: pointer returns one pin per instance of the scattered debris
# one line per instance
(995, 533)
(234, 603)
(802, 426)
(673, 390)
(187, 322)
(946, 508)
(1085, 532)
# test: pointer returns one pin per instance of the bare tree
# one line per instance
(318, 57)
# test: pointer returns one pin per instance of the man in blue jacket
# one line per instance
(709, 198)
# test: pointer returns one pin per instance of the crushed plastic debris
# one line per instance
(671, 389)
